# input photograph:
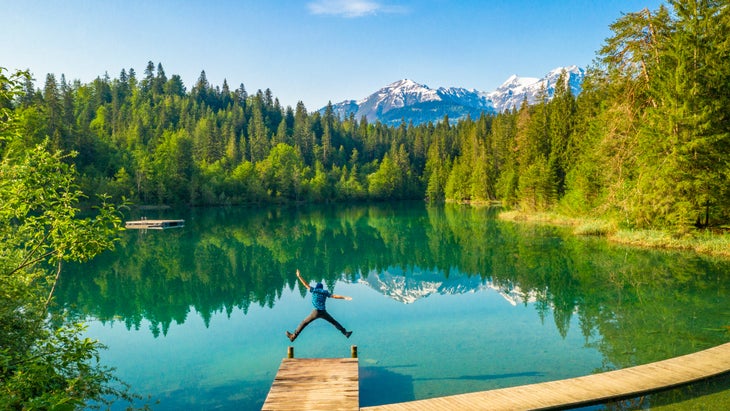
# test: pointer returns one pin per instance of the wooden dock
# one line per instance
(315, 384)
(586, 390)
(145, 224)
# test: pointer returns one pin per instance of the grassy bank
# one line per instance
(700, 241)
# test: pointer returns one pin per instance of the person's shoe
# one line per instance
(291, 336)
(348, 334)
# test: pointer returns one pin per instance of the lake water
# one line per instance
(446, 300)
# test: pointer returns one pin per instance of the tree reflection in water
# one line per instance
(232, 258)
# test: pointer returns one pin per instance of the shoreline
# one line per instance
(701, 242)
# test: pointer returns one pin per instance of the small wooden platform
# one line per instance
(145, 224)
(591, 389)
(315, 384)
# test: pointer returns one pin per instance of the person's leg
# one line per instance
(328, 317)
(311, 317)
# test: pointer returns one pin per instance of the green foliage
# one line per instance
(45, 363)
(281, 172)
(350, 186)
(457, 186)
(385, 182)
(241, 257)
(438, 166)
(537, 186)
(645, 144)
(686, 134)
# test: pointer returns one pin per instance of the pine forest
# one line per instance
(645, 144)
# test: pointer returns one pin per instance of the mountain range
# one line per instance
(417, 103)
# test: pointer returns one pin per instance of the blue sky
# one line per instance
(310, 50)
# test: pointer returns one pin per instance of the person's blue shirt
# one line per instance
(319, 297)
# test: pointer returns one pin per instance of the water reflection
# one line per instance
(385, 385)
(232, 258)
(633, 306)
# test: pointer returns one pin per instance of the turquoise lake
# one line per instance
(445, 300)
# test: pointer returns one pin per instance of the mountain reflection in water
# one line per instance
(408, 287)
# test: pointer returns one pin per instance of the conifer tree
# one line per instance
(53, 111)
(585, 179)
(159, 81)
(385, 182)
(560, 123)
(201, 90)
(302, 136)
(437, 171)
(258, 135)
(682, 141)
(225, 95)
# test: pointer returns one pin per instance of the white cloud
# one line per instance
(351, 8)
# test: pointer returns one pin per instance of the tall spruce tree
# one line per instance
(683, 141)
(560, 123)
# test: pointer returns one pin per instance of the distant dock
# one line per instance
(145, 224)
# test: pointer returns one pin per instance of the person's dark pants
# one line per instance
(319, 314)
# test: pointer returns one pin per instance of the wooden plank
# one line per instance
(315, 384)
(625, 383)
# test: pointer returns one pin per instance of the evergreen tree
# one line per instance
(258, 135)
(302, 136)
(201, 91)
(532, 153)
(385, 182)
(148, 81)
(158, 84)
(28, 97)
(285, 171)
(174, 86)
(438, 166)
(458, 185)
(241, 95)
(281, 134)
(586, 176)
(226, 97)
(53, 110)
(503, 159)
(684, 140)
(560, 122)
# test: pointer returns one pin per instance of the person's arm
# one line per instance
(304, 283)
(340, 297)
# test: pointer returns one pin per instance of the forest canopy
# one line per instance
(645, 144)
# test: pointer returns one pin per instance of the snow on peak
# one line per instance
(515, 82)
(410, 90)
(405, 84)
(406, 99)
(516, 89)
(568, 70)
(399, 94)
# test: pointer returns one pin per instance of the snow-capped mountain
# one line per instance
(512, 92)
(413, 102)
(406, 99)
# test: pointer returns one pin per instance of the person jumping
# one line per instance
(319, 297)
